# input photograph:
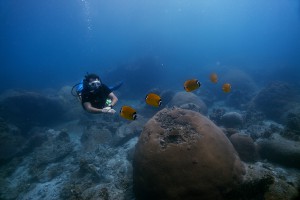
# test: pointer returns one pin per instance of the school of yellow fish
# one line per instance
(153, 99)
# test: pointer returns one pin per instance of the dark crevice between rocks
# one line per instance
(251, 190)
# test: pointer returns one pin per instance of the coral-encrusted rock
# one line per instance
(280, 150)
(188, 100)
(245, 146)
(56, 148)
(216, 115)
(275, 99)
(293, 118)
(181, 154)
(127, 131)
(166, 96)
(292, 121)
(10, 142)
(28, 109)
(264, 181)
(232, 120)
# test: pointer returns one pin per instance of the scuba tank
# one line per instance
(77, 89)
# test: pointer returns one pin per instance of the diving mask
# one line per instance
(95, 84)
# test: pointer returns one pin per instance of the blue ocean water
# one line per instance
(49, 44)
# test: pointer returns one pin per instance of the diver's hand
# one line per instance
(112, 111)
(108, 110)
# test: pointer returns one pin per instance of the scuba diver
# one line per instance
(95, 96)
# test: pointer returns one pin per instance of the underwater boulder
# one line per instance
(188, 100)
(280, 150)
(232, 120)
(28, 109)
(14, 144)
(292, 124)
(243, 88)
(245, 147)
(166, 96)
(181, 154)
(56, 148)
(191, 106)
(10, 141)
(66, 96)
(265, 181)
(71, 104)
(127, 131)
(275, 99)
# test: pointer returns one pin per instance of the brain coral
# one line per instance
(181, 154)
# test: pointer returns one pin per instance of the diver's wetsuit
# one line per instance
(96, 98)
